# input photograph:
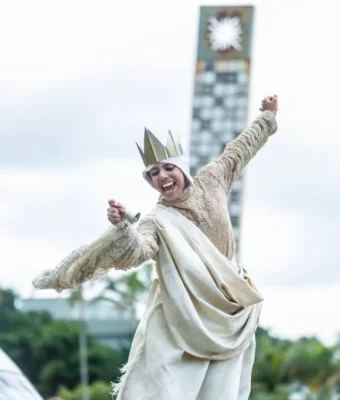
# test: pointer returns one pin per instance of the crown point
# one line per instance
(155, 151)
(142, 154)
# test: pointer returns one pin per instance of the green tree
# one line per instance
(59, 357)
(7, 299)
(97, 391)
(308, 361)
(280, 362)
(270, 353)
(47, 350)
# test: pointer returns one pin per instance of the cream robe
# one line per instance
(196, 338)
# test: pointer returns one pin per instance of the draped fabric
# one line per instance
(201, 317)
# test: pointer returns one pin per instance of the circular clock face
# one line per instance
(225, 33)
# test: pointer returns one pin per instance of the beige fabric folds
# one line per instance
(209, 307)
(201, 314)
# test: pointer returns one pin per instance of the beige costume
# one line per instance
(196, 338)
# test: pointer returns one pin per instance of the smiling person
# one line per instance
(168, 180)
(196, 339)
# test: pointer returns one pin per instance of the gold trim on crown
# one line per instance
(155, 151)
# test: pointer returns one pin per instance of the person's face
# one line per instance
(168, 179)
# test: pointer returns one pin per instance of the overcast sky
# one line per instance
(80, 80)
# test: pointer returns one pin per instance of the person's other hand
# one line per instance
(115, 212)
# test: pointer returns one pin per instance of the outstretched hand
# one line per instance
(270, 103)
(115, 212)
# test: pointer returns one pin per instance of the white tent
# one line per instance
(13, 383)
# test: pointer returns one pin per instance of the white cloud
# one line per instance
(45, 216)
(24, 258)
(302, 311)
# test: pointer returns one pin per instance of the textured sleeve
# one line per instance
(121, 247)
(241, 150)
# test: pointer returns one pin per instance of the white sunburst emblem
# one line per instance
(225, 33)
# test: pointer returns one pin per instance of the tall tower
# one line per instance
(220, 104)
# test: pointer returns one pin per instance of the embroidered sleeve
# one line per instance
(121, 247)
(241, 150)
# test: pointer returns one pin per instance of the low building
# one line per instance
(111, 326)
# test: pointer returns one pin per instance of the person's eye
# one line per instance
(169, 167)
(153, 173)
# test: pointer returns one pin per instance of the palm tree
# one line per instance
(77, 298)
(127, 291)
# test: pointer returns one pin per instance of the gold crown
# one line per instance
(155, 151)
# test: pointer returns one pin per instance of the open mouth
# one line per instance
(168, 186)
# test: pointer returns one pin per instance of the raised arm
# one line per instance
(122, 246)
(241, 150)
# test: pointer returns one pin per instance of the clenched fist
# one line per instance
(270, 103)
(115, 212)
